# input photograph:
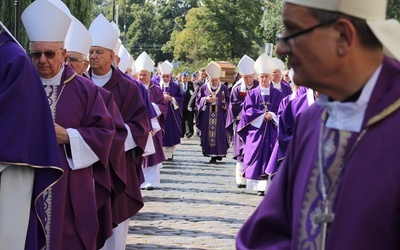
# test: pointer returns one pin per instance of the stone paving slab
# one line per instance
(196, 207)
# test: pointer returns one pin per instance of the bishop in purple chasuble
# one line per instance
(259, 139)
(211, 120)
(134, 113)
(77, 104)
(361, 180)
(173, 122)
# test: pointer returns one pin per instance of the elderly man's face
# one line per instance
(264, 79)
(76, 61)
(166, 77)
(100, 59)
(248, 79)
(286, 76)
(276, 75)
(312, 55)
(144, 76)
(48, 58)
(214, 82)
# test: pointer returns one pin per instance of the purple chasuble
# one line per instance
(287, 121)
(22, 100)
(235, 107)
(116, 176)
(366, 200)
(156, 96)
(259, 142)
(133, 111)
(173, 122)
(78, 105)
(211, 120)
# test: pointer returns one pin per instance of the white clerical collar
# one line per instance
(55, 80)
(211, 88)
(277, 85)
(264, 91)
(101, 80)
(349, 115)
(164, 84)
(146, 86)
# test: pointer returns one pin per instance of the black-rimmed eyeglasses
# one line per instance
(49, 54)
(285, 38)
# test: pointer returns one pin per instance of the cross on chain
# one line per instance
(323, 218)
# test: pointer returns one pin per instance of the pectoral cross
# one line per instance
(323, 218)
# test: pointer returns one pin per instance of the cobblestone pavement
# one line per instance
(197, 206)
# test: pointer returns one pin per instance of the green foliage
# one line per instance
(81, 9)
(7, 17)
(219, 30)
(393, 10)
(191, 31)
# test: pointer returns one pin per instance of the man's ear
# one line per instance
(347, 36)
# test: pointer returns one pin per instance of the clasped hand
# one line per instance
(211, 99)
(167, 96)
(268, 116)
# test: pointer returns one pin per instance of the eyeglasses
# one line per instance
(72, 59)
(49, 54)
(285, 39)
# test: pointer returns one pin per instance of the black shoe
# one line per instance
(188, 135)
(213, 160)
(219, 158)
(260, 193)
(241, 185)
(149, 188)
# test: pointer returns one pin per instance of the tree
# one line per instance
(272, 21)
(393, 9)
(220, 30)
(7, 16)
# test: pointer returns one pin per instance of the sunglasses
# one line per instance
(49, 54)
(72, 59)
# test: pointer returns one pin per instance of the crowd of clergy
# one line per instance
(115, 123)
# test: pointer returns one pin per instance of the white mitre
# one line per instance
(103, 34)
(144, 62)
(166, 68)
(246, 66)
(213, 70)
(46, 22)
